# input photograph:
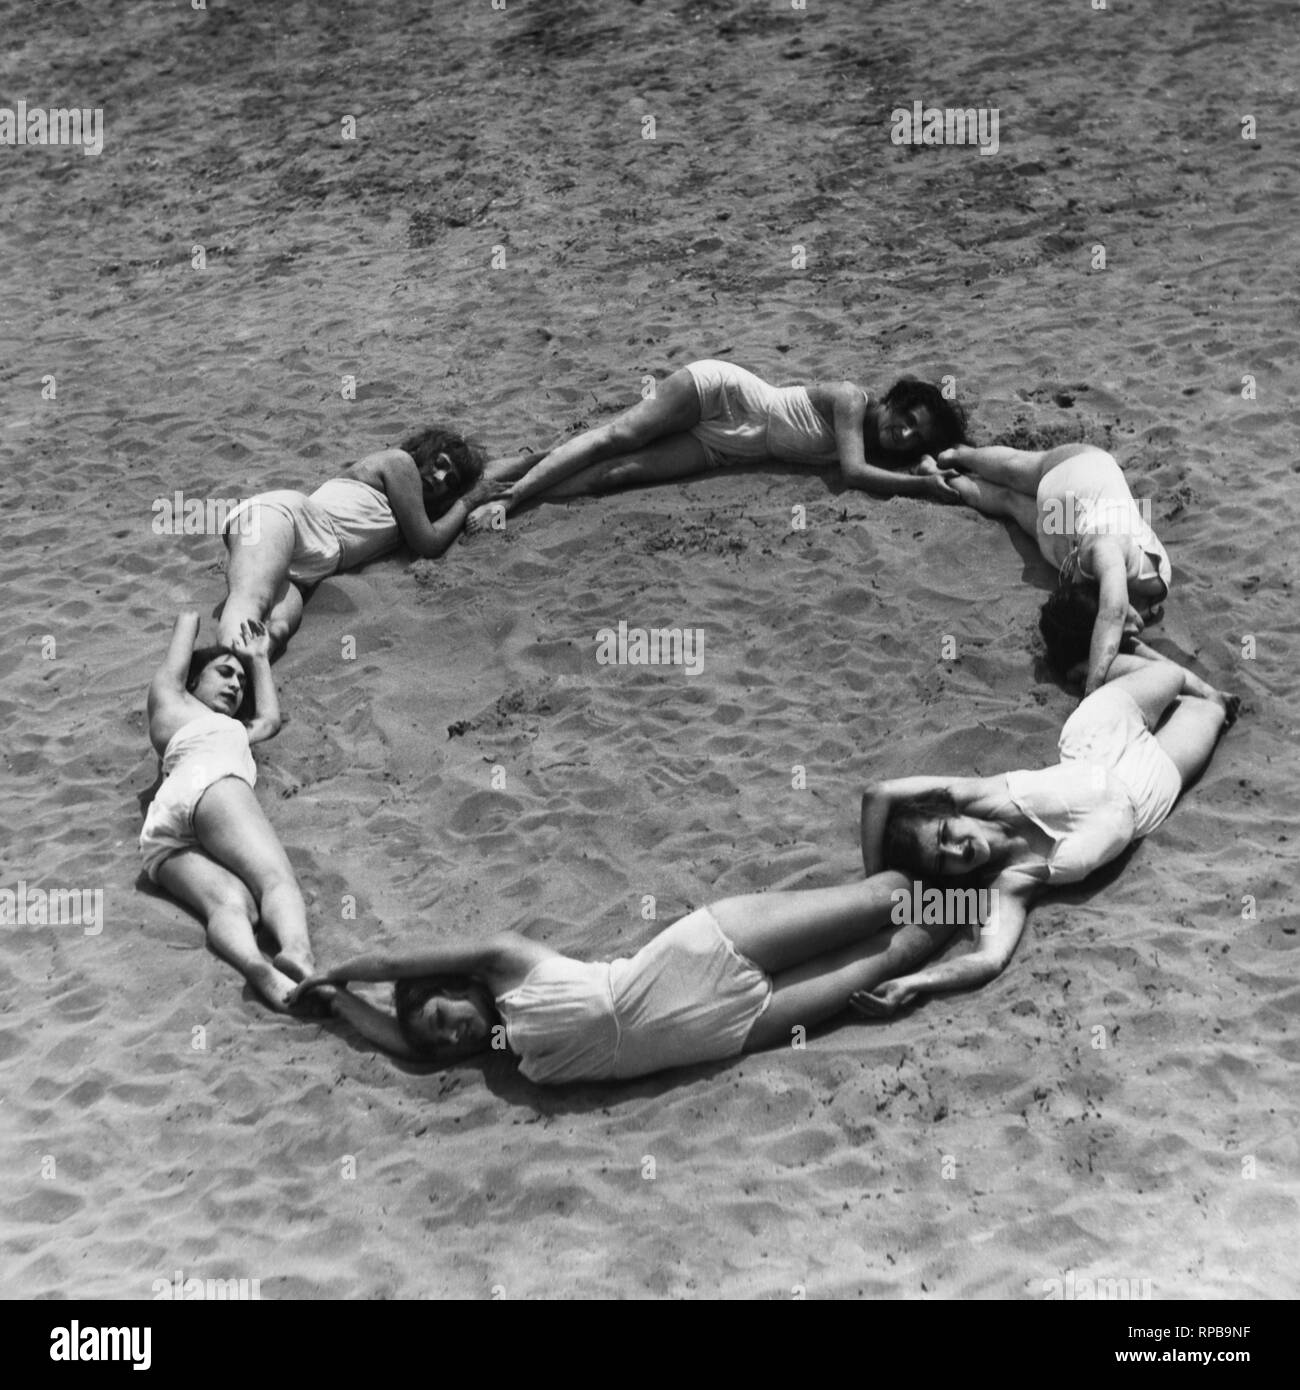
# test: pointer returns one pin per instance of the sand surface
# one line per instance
(979, 1146)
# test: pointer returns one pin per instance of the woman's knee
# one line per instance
(278, 881)
(236, 901)
(1189, 736)
(621, 436)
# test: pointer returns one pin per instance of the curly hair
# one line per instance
(1066, 621)
(950, 421)
(466, 458)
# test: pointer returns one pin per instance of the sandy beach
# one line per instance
(456, 760)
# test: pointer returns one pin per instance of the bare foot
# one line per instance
(959, 456)
(869, 1006)
(296, 964)
(1231, 707)
(274, 987)
(967, 489)
(489, 517)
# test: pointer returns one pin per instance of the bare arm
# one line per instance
(849, 407)
(375, 1025)
(500, 962)
(170, 677)
(168, 701)
(1106, 561)
(405, 491)
(885, 482)
(254, 645)
(1012, 895)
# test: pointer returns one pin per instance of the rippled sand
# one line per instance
(984, 1144)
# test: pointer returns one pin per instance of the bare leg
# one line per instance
(230, 915)
(1141, 654)
(1017, 469)
(234, 830)
(820, 989)
(1199, 716)
(1021, 470)
(1154, 685)
(257, 575)
(1190, 733)
(673, 409)
(513, 467)
(993, 500)
(780, 930)
(1149, 680)
(678, 456)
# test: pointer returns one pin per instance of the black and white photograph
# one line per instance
(650, 654)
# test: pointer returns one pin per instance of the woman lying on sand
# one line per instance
(714, 414)
(1022, 832)
(283, 542)
(205, 838)
(1075, 502)
(744, 974)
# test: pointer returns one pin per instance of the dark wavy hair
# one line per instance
(1066, 621)
(203, 657)
(903, 847)
(950, 422)
(410, 996)
(466, 458)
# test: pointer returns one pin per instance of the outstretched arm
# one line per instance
(849, 403)
(254, 645)
(1011, 898)
(375, 1025)
(884, 482)
(1106, 560)
(170, 677)
(500, 962)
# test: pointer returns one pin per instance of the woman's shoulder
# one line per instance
(826, 395)
(377, 468)
(516, 958)
(170, 712)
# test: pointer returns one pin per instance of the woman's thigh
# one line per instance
(234, 830)
(198, 880)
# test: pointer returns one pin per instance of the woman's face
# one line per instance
(456, 1023)
(902, 434)
(957, 845)
(220, 685)
(440, 478)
